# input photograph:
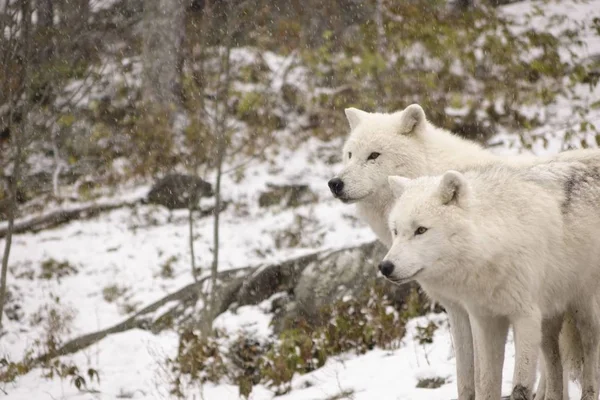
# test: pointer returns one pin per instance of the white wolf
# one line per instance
(512, 246)
(405, 143)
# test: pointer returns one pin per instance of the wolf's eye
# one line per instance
(420, 230)
(373, 156)
(395, 232)
(349, 154)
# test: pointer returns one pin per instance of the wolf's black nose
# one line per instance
(336, 185)
(386, 268)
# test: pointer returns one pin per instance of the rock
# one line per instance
(176, 191)
(287, 196)
(339, 274)
(274, 278)
(309, 282)
(343, 273)
(284, 311)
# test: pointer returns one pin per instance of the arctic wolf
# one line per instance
(405, 143)
(512, 246)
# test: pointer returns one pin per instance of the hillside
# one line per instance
(93, 272)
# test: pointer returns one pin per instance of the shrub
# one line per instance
(112, 292)
(55, 321)
(52, 268)
(354, 324)
(198, 359)
(167, 271)
(485, 66)
(431, 383)
(297, 351)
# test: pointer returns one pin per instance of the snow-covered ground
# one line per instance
(131, 367)
(128, 248)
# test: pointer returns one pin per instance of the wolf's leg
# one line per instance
(588, 324)
(565, 383)
(553, 368)
(528, 337)
(460, 326)
(489, 334)
(540, 391)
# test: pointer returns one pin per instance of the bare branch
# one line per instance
(189, 292)
(191, 234)
(241, 283)
(60, 217)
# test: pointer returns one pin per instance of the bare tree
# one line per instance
(200, 92)
(59, 44)
(220, 132)
(17, 141)
(214, 117)
(29, 86)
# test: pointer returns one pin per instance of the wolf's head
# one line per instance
(380, 145)
(430, 225)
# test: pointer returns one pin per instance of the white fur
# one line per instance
(411, 146)
(512, 247)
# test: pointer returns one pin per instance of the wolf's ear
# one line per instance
(354, 116)
(454, 189)
(410, 118)
(397, 184)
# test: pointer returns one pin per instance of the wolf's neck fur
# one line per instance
(374, 210)
(442, 151)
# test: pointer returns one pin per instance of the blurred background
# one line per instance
(166, 229)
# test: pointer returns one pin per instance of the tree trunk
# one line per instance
(220, 127)
(45, 12)
(17, 139)
(44, 45)
(381, 38)
(163, 35)
(220, 133)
